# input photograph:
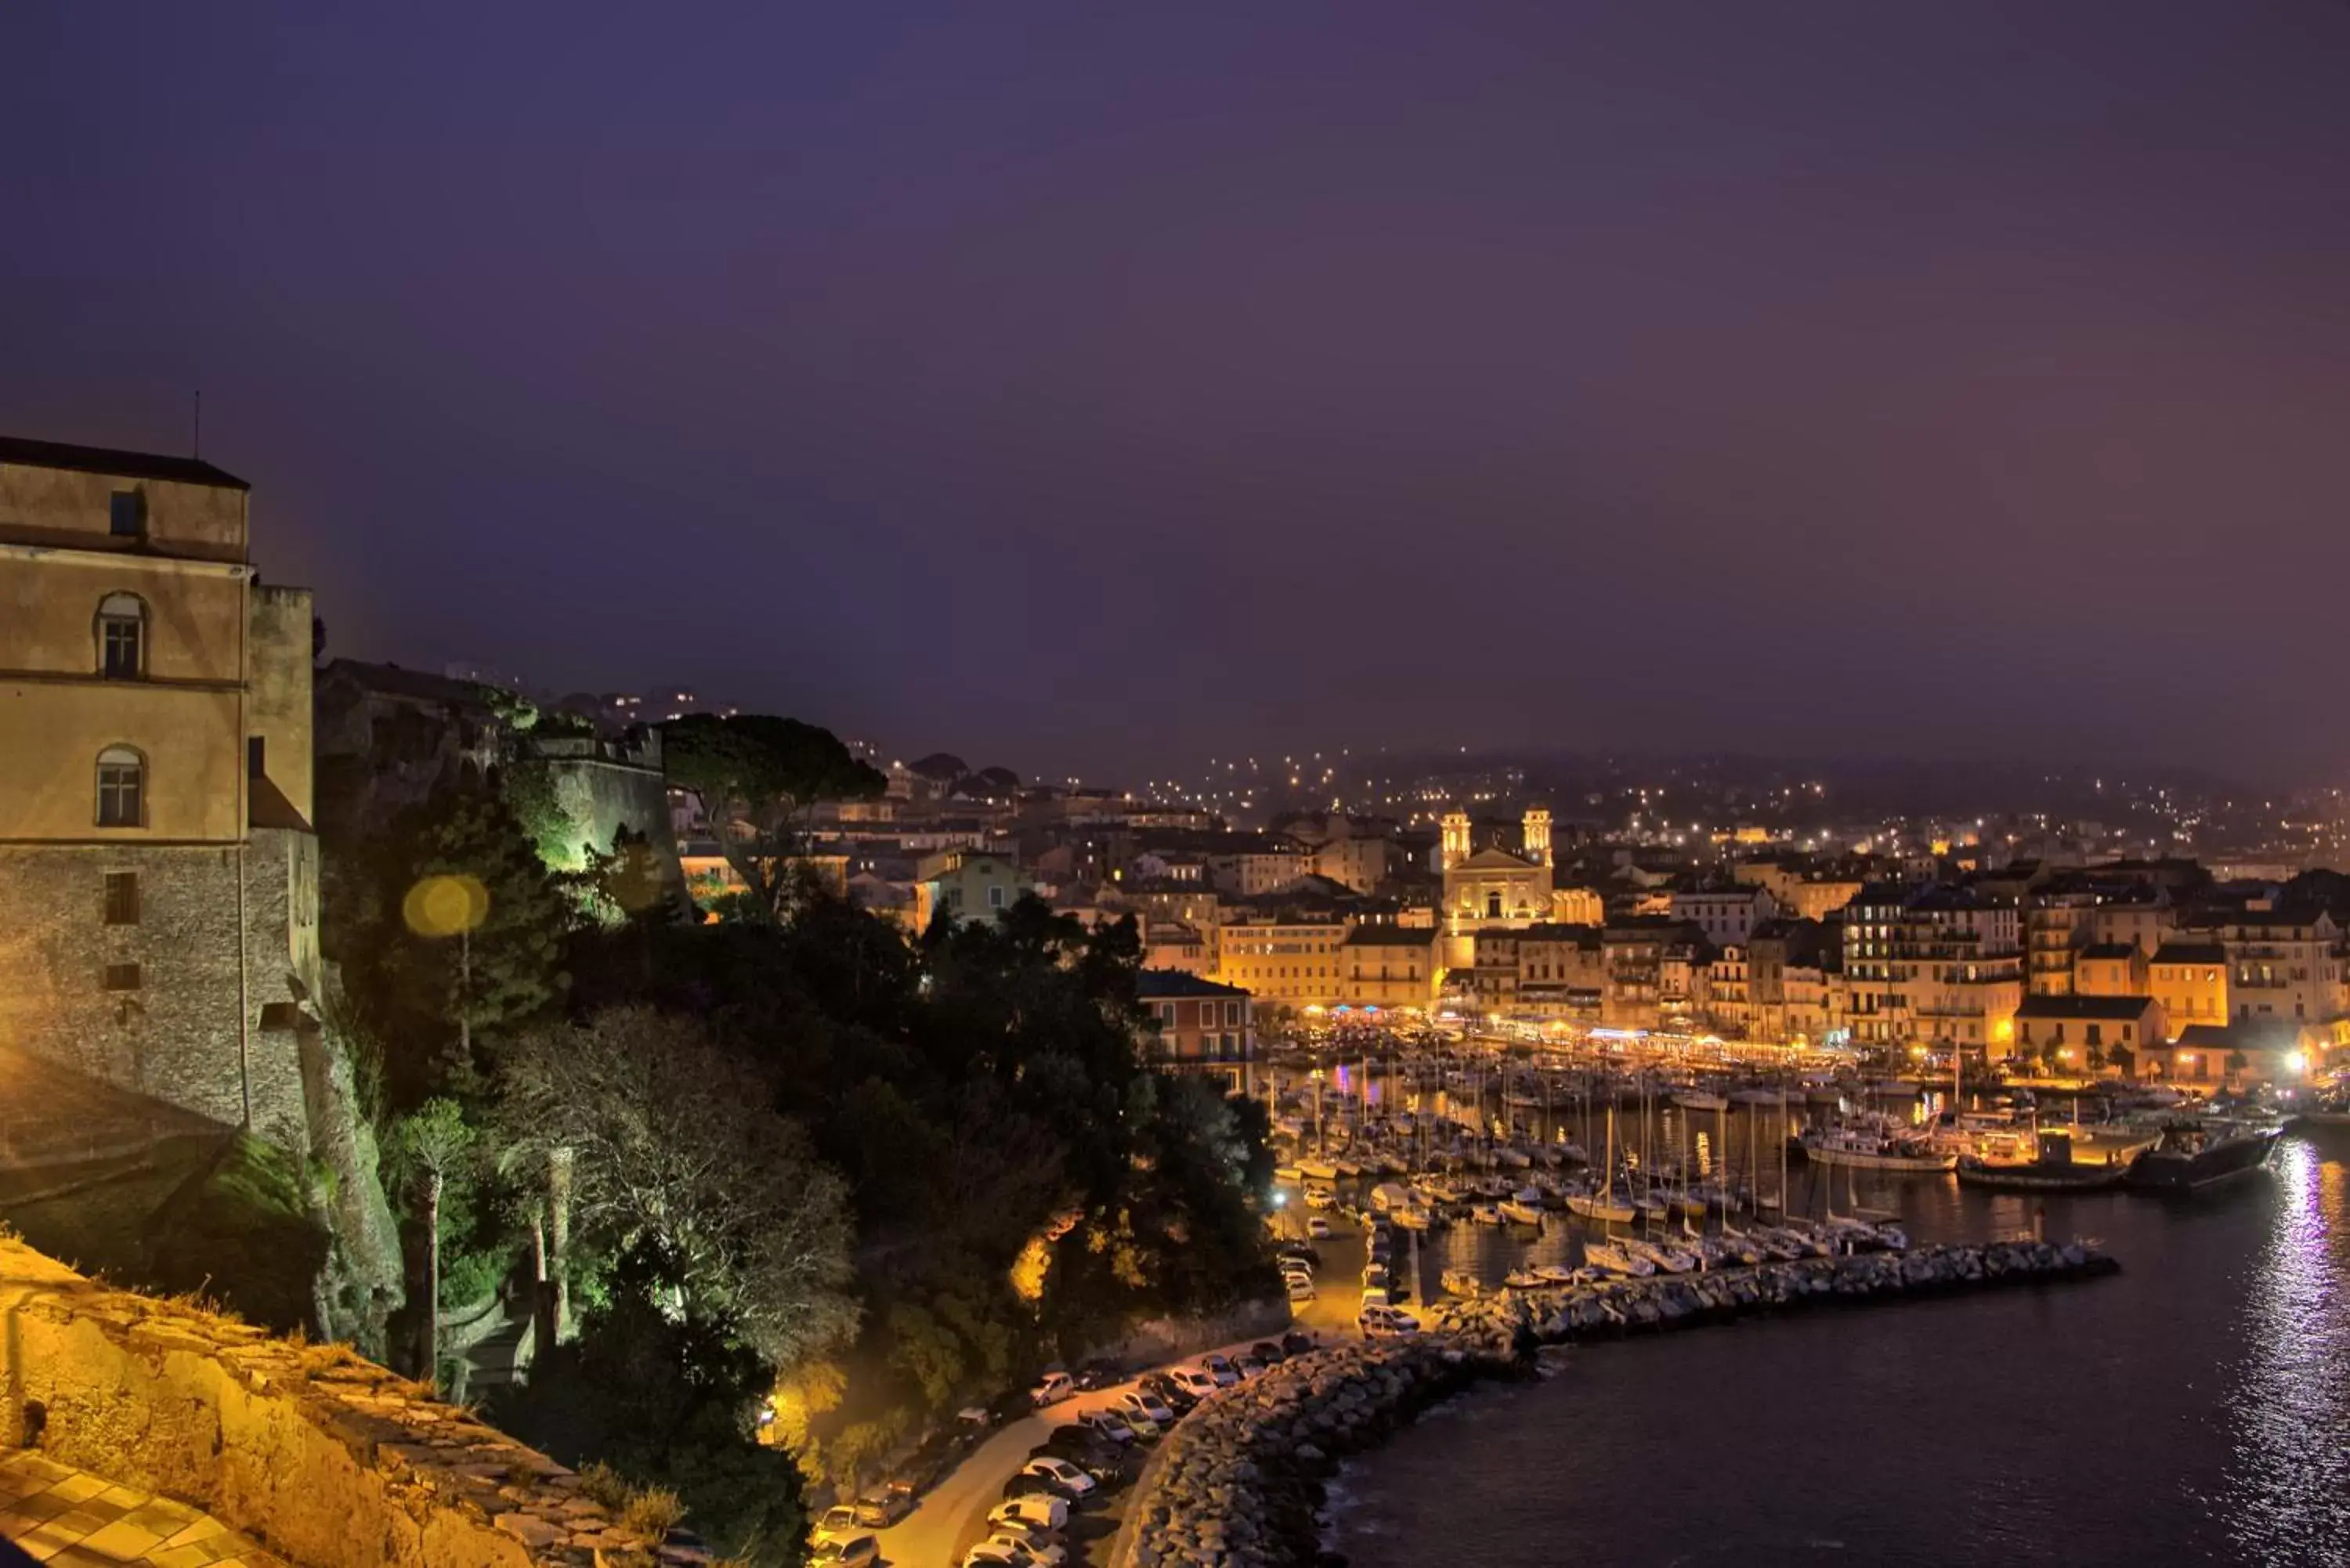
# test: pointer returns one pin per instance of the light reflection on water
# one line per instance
(2196, 1408)
(2288, 1483)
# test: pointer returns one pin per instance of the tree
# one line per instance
(756, 777)
(432, 1145)
(673, 1146)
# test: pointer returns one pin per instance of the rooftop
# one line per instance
(2117, 1009)
(118, 463)
(1164, 984)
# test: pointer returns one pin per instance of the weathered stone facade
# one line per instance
(176, 1003)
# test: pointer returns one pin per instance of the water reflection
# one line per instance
(2288, 1481)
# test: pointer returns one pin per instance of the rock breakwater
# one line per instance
(1240, 1479)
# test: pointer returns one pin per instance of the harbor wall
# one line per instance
(327, 1459)
(1240, 1479)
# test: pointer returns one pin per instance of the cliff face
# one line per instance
(363, 1281)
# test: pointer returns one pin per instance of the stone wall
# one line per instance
(1156, 1341)
(328, 1460)
(176, 1036)
(1238, 1482)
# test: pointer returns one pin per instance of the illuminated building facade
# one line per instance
(157, 864)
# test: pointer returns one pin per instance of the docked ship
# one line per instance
(1875, 1146)
(2043, 1162)
(2198, 1151)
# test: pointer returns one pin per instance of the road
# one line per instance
(954, 1513)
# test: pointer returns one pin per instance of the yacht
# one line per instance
(2198, 1151)
(1875, 1147)
(1517, 1211)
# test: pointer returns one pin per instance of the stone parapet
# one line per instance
(326, 1458)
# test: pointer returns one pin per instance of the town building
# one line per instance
(2078, 1034)
(1204, 1027)
(2110, 969)
(1291, 959)
(2282, 964)
(970, 885)
(1933, 965)
(1724, 916)
(2241, 1055)
(1392, 968)
(157, 861)
(2189, 978)
(1788, 967)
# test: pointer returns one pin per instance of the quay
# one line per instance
(1240, 1481)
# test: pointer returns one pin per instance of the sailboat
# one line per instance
(1602, 1205)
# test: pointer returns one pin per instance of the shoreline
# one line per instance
(1243, 1479)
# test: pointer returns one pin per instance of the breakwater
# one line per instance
(1240, 1481)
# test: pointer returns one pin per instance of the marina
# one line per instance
(2195, 1408)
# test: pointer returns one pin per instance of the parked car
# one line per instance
(1222, 1370)
(1375, 1296)
(1071, 1479)
(1317, 1227)
(884, 1506)
(1196, 1381)
(1250, 1366)
(1035, 1537)
(1048, 1553)
(839, 1519)
(1023, 1484)
(1296, 1343)
(1299, 1252)
(1084, 1446)
(1053, 1388)
(1052, 1513)
(1109, 1424)
(1387, 1322)
(993, 1554)
(1266, 1351)
(1140, 1402)
(1301, 1291)
(1168, 1392)
(1095, 1374)
(1321, 1198)
(846, 1552)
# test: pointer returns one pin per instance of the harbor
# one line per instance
(2195, 1407)
(1502, 1167)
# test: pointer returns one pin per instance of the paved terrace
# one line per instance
(71, 1519)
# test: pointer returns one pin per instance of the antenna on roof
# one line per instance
(196, 443)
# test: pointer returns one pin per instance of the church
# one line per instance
(1492, 887)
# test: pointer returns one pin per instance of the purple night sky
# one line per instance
(1100, 387)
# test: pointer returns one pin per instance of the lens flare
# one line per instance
(445, 906)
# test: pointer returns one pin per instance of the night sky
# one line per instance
(1102, 387)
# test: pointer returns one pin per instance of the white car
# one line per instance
(1137, 1403)
(1052, 1513)
(1196, 1381)
(1321, 1198)
(839, 1519)
(846, 1552)
(1317, 1227)
(1053, 1388)
(1043, 1551)
(1375, 1296)
(1060, 1473)
(994, 1553)
(1387, 1322)
(1109, 1424)
(1299, 1290)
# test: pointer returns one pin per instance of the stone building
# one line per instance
(157, 862)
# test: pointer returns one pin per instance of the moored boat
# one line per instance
(1868, 1148)
(2197, 1152)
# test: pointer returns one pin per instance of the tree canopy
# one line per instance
(756, 777)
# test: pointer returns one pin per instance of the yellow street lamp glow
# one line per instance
(2296, 1062)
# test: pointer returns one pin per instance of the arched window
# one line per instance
(121, 788)
(121, 637)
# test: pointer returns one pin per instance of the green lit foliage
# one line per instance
(756, 775)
